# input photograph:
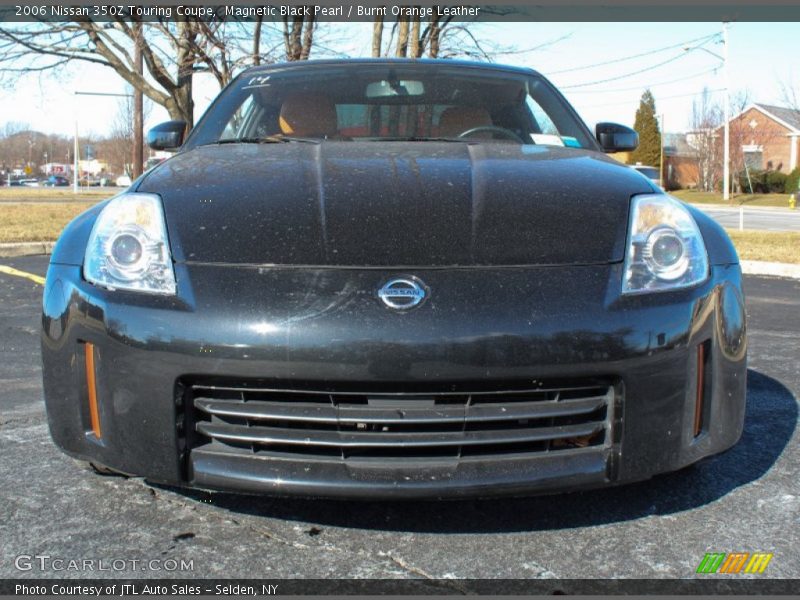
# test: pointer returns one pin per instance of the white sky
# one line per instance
(761, 60)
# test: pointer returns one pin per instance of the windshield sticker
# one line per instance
(571, 142)
(546, 139)
(257, 82)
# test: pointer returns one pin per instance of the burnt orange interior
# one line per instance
(458, 119)
(308, 115)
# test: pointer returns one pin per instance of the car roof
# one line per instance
(338, 62)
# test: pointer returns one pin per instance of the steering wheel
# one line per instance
(506, 133)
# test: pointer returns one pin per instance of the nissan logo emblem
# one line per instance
(402, 293)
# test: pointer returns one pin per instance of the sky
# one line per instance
(759, 59)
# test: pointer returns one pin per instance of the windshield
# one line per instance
(387, 102)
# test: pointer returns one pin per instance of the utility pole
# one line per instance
(138, 108)
(661, 177)
(726, 168)
(75, 150)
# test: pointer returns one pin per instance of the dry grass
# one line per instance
(771, 246)
(53, 194)
(37, 222)
(695, 197)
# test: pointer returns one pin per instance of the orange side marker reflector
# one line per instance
(698, 403)
(91, 385)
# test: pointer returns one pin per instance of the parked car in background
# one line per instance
(649, 172)
(30, 182)
(393, 278)
(56, 181)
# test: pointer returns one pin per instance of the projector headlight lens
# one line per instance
(128, 247)
(665, 247)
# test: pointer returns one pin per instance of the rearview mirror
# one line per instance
(616, 138)
(166, 136)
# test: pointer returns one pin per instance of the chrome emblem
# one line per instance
(402, 293)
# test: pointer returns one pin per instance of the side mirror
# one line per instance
(616, 138)
(166, 136)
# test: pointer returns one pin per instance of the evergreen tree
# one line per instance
(646, 125)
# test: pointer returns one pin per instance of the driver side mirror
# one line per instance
(166, 136)
(616, 138)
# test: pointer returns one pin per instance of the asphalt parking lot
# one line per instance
(746, 500)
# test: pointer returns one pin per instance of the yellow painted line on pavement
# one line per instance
(18, 273)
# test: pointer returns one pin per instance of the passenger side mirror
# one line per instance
(616, 138)
(166, 136)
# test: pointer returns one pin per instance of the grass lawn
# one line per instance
(42, 222)
(39, 222)
(695, 197)
(54, 194)
(771, 246)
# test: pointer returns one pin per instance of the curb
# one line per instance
(749, 267)
(774, 269)
(13, 249)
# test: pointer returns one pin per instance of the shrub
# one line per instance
(775, 182)
(792, 182)
(763, 182)
(756, 181)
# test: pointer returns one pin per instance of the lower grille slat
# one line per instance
(450, 422)
(271, 435)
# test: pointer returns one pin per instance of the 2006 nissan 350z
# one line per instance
(385, 279)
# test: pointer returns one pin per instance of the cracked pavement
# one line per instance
(745, 500)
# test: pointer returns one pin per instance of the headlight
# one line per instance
(665, 247)
(128, 247)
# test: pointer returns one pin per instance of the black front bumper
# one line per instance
(295, 328)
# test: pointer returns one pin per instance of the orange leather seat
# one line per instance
(308, 115)
(458, 119)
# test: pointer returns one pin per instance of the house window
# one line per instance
(753, 157)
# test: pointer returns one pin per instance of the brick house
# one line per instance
(763, 137)
(680, 161)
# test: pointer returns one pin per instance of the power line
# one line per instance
(648, 86)
(618, 77)
(626, 58)
(662, 98)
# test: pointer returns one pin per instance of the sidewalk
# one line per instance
(736, 206)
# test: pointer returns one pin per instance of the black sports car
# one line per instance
(393, 279)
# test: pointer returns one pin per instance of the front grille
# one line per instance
(352, 423)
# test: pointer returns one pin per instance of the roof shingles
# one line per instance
(789, 116)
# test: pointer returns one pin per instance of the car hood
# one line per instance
(395, 204)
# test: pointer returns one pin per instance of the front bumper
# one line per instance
(325, 328)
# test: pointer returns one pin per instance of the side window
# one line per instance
(237, 124)
(543, 122)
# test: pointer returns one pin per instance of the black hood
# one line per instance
(395, 204)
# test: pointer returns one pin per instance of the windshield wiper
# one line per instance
(269, 139)
(417, 138)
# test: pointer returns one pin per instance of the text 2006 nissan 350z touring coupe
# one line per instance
(380, 279)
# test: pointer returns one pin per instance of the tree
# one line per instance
(413, 40)
(298, 36)
(436, 36)
(117, 148)
(646, 125)
(173, 51)
(706, 120)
